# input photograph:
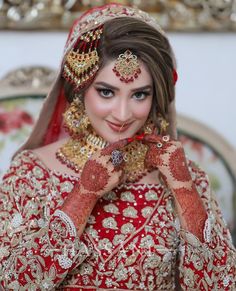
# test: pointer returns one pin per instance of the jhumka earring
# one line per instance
(76, 120)
(148, 126)
(163, 125)
(127, 67)
(81, 64)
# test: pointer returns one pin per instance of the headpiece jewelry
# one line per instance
(76, 121)
(127, 67)
(81, 64)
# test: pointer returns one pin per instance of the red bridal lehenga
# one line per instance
(132, 240)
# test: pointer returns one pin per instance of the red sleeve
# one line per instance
(210, 265)
(38, 244)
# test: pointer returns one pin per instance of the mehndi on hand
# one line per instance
(168, 157)
(101, 173)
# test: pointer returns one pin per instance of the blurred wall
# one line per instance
(206, 89)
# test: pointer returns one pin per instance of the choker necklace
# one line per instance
(75, 152)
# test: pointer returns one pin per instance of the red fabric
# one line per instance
(131, 234)
(55, 124)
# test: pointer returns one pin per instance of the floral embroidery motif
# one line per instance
(146, 211)
(105, 244)
(127, 228)
(130, 212)
(109, 223)
(151, 195)
(112, 208)
(36, 248)
(127, 196)
(16, 220)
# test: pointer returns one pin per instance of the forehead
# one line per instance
(106, 74)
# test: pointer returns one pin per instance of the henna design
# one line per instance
(184, 192)
(79, 206)
(168, 156)
(98, 177)
(192, 210)
(94, 176)
(178, 166)
(153, 157)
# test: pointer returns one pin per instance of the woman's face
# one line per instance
(117, 109)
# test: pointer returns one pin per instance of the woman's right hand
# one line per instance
(101, 173)
(104, 170)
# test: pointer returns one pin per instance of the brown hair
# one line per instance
(150, 46)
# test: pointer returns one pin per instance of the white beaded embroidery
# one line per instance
(16, 220)
(64, 262)
(66, 219)
(207, 230)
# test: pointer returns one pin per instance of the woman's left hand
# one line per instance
(168, 157)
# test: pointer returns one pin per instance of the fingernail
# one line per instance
(140, 137)
(130, 139)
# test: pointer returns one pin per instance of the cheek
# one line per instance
(142, 111)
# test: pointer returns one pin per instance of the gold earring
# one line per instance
(148, 126)
(76, 120)
(84, 122)
(163, 125)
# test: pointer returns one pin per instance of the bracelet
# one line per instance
(67, 220)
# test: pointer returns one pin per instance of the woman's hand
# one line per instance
(104, 170)
(101, 173)
(168, 156)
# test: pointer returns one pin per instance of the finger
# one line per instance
(123, 177)
(114, 146)
(162, 139)
(152, 138)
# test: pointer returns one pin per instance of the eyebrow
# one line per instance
(117, 89)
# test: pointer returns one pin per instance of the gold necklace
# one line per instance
(76, 152)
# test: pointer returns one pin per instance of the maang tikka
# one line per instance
(127, 67)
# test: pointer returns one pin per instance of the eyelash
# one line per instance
(101, 91)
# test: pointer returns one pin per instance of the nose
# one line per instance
(122, 110)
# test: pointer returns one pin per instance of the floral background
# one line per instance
(18, 115)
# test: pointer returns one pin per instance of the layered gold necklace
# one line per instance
(76, 152)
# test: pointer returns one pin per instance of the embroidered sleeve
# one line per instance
(38, 244)
(210, 265)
